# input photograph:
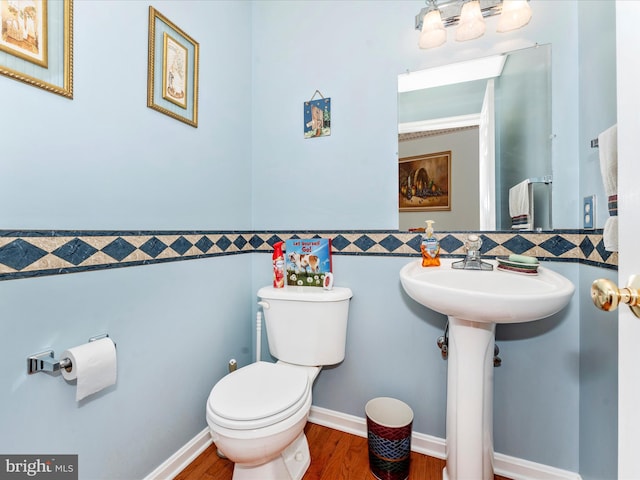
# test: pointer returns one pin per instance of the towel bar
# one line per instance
(546, 179)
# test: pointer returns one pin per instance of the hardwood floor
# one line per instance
(335, 455)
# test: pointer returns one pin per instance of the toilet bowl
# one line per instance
(257, 415)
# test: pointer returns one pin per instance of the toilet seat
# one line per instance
(258, 395)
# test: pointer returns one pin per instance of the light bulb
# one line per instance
(471, 22)
(515, 14)
(433, 33)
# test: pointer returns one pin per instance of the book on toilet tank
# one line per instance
(307, 261)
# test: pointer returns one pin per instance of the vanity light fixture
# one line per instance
(469, 15)
(515, 14)
(433, 33)
(471, 24)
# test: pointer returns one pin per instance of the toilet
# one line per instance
(257, 414)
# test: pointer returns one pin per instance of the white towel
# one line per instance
(608, 149)
(521, 206)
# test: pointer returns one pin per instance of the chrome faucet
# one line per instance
(472, 261)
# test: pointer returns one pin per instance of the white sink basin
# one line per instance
(475, 301)
(486, 296)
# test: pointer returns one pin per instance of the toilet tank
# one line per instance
(306, 325)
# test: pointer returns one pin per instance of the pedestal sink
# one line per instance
(475, 301)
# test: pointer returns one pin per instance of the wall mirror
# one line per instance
(494, 116)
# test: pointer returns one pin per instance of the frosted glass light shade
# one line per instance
(433, 33)
(471, 22)
(515, 14)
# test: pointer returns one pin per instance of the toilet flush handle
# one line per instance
(264, 305)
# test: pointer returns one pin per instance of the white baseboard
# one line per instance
(421, 443)
(504, 465)
(171, 467)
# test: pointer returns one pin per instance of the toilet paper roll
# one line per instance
(93, 365)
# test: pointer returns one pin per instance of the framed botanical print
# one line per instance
(172, 73)
(36, 43)
(24, 30)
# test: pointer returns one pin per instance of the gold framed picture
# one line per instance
(172, 73)
(36, 43)
(425, 182)
(24, 30)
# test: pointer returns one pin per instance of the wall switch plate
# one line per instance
(589, 212)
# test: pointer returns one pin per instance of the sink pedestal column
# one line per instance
(470, 400)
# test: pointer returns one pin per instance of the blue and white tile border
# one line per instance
(32, 253)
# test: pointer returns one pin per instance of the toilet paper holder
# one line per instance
(46, 361)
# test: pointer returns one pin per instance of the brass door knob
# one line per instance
(607, 296)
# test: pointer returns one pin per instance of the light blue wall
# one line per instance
(106, 161)
(598, 330)
(348, 53)
(354, 56)
(536, 402)
(175, 326)
(598, 382)
(597, 95)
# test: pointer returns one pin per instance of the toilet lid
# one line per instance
(258, 391)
